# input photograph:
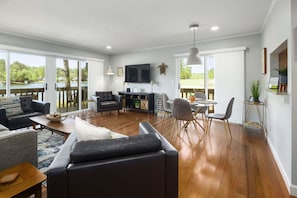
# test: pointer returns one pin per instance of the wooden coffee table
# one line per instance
(27, 183)
(64, 127)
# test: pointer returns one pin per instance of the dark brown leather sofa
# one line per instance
(106, 101)
(143, 166)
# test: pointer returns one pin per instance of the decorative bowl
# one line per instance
(55, 117)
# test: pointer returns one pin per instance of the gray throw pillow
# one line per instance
(26, 104)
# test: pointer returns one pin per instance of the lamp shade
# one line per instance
(193, 58)
(109, 71)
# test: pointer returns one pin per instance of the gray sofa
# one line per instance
(17, 146)
(144, 166)
(21, 119)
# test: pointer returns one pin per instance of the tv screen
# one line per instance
(137, 73)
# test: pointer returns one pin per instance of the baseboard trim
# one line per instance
(293, 190)
(288, 184)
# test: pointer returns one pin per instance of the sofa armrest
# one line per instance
(56, 174)
(117, 98)
(96, 98)
(171, 159)
(3, 118)
(17, 147)
(40, 106)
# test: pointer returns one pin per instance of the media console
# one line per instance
(138, 101)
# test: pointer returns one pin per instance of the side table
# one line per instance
(260, 108)
(27, 183)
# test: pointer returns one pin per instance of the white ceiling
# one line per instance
(130, 25)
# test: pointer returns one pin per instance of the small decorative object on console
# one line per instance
(56, 117)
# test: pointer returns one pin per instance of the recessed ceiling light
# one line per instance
(108, 47)
(214, 28)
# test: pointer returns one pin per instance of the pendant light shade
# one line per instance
(109, 71)
(194, 58)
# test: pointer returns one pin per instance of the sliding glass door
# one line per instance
(71, 84)
(62, 82)
(197, 78)
(3, 68)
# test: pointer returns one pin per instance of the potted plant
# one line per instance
(192, 97)
(283, 74)
(255, 90)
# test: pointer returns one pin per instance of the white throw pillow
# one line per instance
(86, 131)
(3, 128)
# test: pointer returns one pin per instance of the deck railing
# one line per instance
(186, 92)
(64, 101)
(70, 102)
(36, 93)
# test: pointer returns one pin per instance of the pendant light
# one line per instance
(193, 58)
(109, 71)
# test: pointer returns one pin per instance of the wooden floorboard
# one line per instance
(216, 166)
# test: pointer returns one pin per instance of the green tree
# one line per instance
(2, 70)
(185, 71)
(211, 74)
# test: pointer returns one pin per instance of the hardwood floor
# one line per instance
(216, 166)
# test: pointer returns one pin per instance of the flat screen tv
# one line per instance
(138, 73)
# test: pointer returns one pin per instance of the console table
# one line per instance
(139, 101)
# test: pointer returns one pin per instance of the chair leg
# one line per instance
(208, 126)
(228, 125)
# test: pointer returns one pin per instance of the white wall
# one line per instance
(168, 83)
(279, 107)
(294, 95)
(229, 85)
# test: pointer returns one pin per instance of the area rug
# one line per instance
(49, 145)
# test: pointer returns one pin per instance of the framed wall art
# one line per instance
(119, 71)
(264, 61)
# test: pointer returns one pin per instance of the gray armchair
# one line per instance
(17, 146)
(106, 101)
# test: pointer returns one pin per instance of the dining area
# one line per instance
(194, 110)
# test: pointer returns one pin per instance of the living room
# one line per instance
(278, 26)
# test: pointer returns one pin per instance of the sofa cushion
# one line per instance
(109, 148)
(12, 105)
(22, 118)
(109, 103)
(104, 95)
(86, 131)
(26, 104)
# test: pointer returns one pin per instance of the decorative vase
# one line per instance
(256, 100)
(283, 79)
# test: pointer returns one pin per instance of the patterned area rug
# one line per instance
(49, 145)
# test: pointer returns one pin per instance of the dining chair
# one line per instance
(222, 116)
(182, 111)
(167, 109)
(202, 109)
